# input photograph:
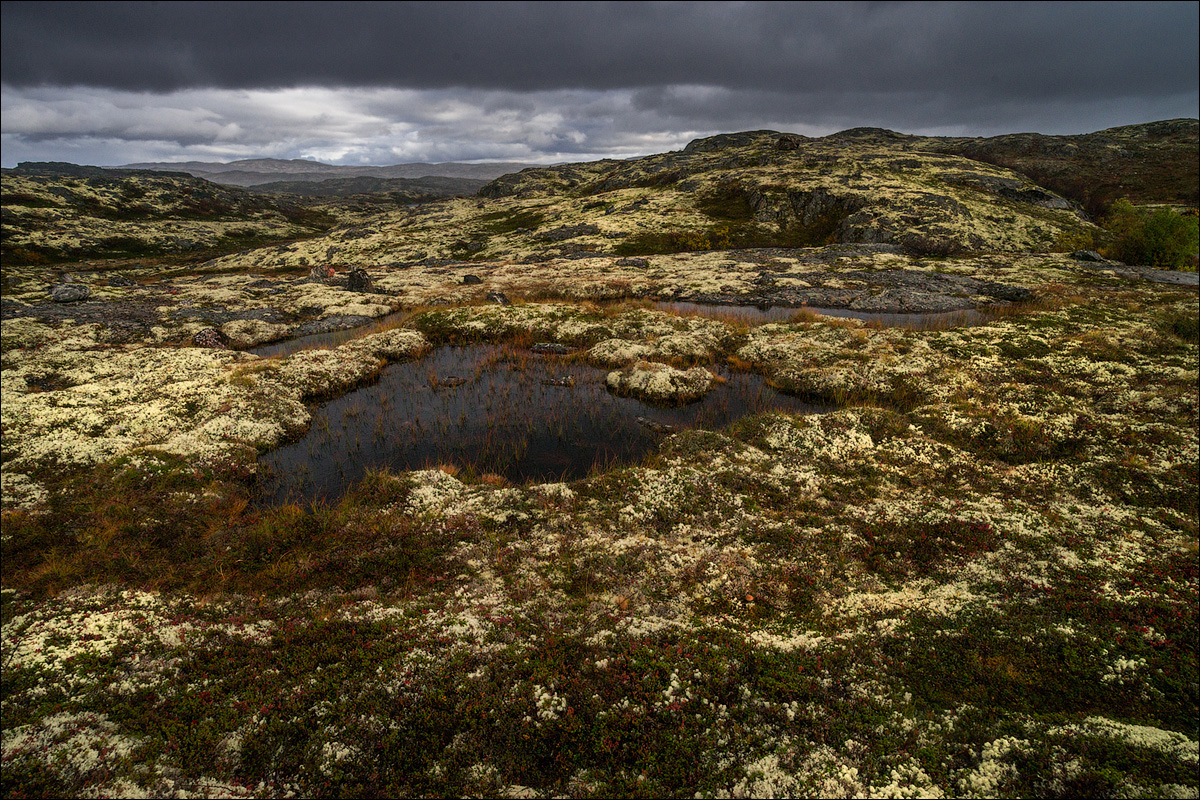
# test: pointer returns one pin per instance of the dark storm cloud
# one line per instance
(1030, 50)
(111, 83)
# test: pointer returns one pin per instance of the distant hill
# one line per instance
(413, 189)
(257, 171)
(55, 212)
(1155, 162)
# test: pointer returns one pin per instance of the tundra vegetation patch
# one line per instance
(975, 574)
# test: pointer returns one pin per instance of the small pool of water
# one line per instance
(494, 409)
(286, 347)
(763, 314)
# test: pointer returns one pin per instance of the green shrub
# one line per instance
(1164, 238)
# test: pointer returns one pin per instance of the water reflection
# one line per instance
(494, 409)
(756, 315)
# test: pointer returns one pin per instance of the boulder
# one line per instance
(359, 281)
(70, 292)
(121, 280)
(660, 383)
(211, 337)
(471, 280)
(500, 298)
(320, 274)
(566, 232)
(1088, 255)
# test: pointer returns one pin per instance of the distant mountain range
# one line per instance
(257, 171)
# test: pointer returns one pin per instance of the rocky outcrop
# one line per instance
(892, 291)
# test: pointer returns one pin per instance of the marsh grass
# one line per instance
(170, 528)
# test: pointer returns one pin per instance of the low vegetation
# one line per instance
(1160, 237)
(976, 576)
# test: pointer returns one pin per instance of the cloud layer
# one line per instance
(385, 82)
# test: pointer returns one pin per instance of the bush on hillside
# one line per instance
(1163, 238)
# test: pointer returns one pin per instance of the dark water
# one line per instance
(494, 409)
(763, 314)
(316, 340)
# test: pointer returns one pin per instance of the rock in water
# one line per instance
(551, 349)
(660, 383)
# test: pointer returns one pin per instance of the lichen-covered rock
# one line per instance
(660, 383)
(617, 352)
(399, 344)
(326, 373)
(249, 332)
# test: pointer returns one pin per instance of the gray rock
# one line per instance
(568, 232)
(471, 280)
(70, 292)
(121, 280)
(500, 298)
(333, 324)
(1088, 255)
(632, 262)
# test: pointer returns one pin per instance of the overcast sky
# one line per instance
(385, 83)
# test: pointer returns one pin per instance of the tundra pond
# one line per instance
(500, 411)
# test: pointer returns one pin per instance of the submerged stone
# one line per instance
(552, 349)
